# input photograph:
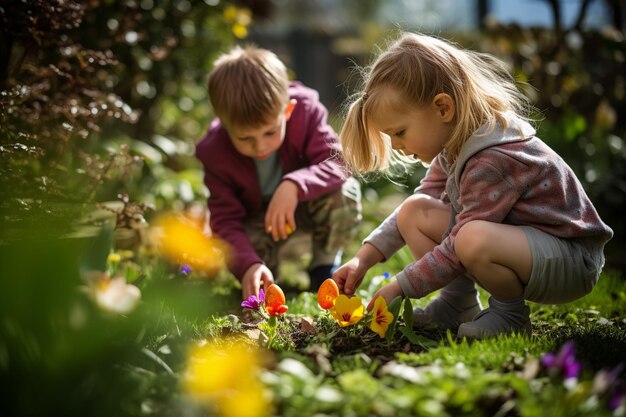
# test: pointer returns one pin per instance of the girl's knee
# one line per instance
(412, 208)
(472, 241)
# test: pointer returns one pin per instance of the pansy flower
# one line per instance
(253, 302)
(565, 361)
(381, 317)
(347, 311)
(275, 301)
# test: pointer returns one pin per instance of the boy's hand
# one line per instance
(252, 279)
(388, 292)
(279, 218)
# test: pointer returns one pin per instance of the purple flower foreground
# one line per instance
(254, 303)
(565, 361)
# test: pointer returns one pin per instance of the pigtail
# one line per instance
(362, 149)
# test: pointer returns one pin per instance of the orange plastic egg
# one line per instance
(275, 301)
(327, 294)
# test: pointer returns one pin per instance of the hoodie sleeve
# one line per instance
(324, 172)
(227, 217)
(227, 211)
(386, 237)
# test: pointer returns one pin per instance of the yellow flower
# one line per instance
(183, 242)
(240, 31)
(230, 13)
(226, 378)
(114, 258)
(347, 311)
(381, 317)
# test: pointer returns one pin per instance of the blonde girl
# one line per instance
(497, 206)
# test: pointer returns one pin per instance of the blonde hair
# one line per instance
(420, 67)
(248, 86)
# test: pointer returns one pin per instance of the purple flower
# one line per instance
(253, 302)
(565, 361)
(185, 269)
(618, 398)
(386, 275)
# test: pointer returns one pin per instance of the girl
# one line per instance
(497, 206)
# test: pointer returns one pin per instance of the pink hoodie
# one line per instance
(503, 176)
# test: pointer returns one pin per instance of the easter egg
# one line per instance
(274, 296)
(327, 294)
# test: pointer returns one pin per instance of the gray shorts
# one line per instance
(563, 269)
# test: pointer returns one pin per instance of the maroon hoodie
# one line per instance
(308, 156)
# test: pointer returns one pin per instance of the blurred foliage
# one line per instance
(104, 97)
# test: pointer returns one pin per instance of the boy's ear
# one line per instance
(290, 107)
(445, 107)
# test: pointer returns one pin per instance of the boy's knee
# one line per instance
(343, 204)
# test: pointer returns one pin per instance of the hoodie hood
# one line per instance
(516, 130)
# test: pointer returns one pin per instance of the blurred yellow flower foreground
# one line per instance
(226, 378)
(183, 242)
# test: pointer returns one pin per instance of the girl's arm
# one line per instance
(386, 237)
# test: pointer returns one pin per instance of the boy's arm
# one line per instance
(227, 214)
(325, 172)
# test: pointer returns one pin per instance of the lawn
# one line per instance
(184, 346)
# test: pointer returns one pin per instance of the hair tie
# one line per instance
(363, 98)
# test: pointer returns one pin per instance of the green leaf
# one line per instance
(393, 308)
(407, 313)
(417, 339)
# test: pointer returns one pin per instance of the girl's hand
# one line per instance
(279, 218)
(388, 292)
(349, 276)
(252, 279)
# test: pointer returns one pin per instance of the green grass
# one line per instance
(59, 345)
(353, 372)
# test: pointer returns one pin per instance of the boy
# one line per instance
(271, 167)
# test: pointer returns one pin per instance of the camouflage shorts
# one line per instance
(331, 220)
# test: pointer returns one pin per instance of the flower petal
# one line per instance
(347, 311)
(382, 318)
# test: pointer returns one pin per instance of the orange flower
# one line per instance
(347, 311)
(275, 301)
(382, 318)
(327, 294)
